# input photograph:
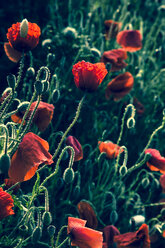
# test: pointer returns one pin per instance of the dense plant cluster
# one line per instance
(82, 124)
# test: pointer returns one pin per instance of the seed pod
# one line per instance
(36, 235)
(136, 221)
(68, 175)
(11, 79)
(51, 230)
(47, 218)
(4, 163)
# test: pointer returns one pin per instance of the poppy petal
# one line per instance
(11, 53)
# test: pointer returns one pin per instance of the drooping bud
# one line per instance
(24, 28)
(4, 163)
(137, 221)
(51, 230)
(30, 72)
(36, 235)
(68, 175)
(55, 95)
(39, 87)
(11, 79)
(47, 218)
(113, 217)
(95, 52)
(23, 106)
(70, 33)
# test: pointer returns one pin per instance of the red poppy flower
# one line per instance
(139, 106)
(138, 239)
(115, 58)
(86, 212)
(156, 162)
(73, 142)
(22, 36)
(119, 86)
(162, 182)
(130, 40)
(111, 29)
(42, 117)
(82, 236)
(111, 149)
(32, 152)
(88, 76)
(108, 233)
(6, 204)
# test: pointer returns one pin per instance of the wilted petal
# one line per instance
(32, 152)
(130, 40)
(119, 86)
(108, 233)
(73, 142)
(156, 162)
(86, 212)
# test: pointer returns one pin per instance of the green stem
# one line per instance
(7, 137)
(138, 165)
(59, 234)
(65, 240)
(69, 128)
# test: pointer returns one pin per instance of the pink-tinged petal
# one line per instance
(73, 142)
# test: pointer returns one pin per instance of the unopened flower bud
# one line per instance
(95, 52)
(24, 28)
(39, 87)
(23, 229)
(51, 230)
(68, 175)
(131, 122)
(145, 182)
(47, 218)
(46, 42)
(4, 163)
(70, 32)
(30, 72)
(123, 170)
(23, 106)
(50, 58)
(113, 216)
(36, 235)
(46, 86)
(55, 95)
(11, 79)
(162, 212)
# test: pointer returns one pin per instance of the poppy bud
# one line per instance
(11, 79)
(47, 218)
(46, 42)
(131, 122)
(23, 229)
(36, 235)
(70, 33)
(95, 52)
(113, 217)
(24, 28)
(76, 192)
(30, 72)
(145, 182)
(51, 230)
(39, 87)
(4, 163)
(50, 58)
(54, 79)
(55, 95)
(68, 175)
(15, 104)
(162, 212)
(123, 170)
(46, 86)
(23, 106)
(155, 183)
